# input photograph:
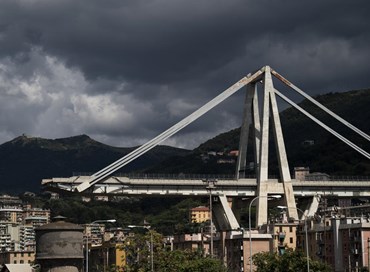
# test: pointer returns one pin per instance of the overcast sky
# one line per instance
(124, 71)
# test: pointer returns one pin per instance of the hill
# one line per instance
(307, 144)
(25, 161)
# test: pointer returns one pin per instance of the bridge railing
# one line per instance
(168, 176)
(337, 178)
(324, 177)
(178, 176)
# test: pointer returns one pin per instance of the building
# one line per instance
(17, 268)
(317, 176)
(283, 236)
(300, 173)
(199, 214)
(238, 247)
(342, 242)
(17, 257)
(106, 255)
(6, 243)
(27, 238)
(308, 142)
(35, 216)
(234, 153)
(10, 200)
(354, 235)
(94, 233)
(17, 227)
(194, 242)
(11, 214)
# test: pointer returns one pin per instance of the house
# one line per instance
(234, 153)
(17, 268)
(17, 257)
(199, 214)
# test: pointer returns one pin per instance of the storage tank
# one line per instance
(59, 247)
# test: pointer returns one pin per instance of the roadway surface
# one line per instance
(225, 186)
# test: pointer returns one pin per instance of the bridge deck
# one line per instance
(227, 187)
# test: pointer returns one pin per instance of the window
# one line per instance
(290, 229)
(291, 240)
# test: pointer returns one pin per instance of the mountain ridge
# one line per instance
(353, 106)
(26, 160)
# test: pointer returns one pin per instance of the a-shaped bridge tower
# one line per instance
(256, 120)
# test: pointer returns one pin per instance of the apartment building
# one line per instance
(35, 216)
(194, 242)
(17, 257)
(107, 255)
(17, 228)
(10, 200)
(342, 242)
(27, 238)
(11, 214)
(284, 235)
(199, 214)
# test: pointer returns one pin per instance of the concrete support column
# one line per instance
(269, 102)
(282, 157)
(262, 177)
(257, 132)
(244, 131)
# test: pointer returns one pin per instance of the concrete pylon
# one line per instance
(261, 144)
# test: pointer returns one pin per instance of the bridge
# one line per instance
(171, 186)
(254, 121)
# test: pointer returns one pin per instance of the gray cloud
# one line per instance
(123, 71)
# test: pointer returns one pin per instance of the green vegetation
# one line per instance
(167, 216)
(290, 261)
(328, 154)
(138, 255)
(25, 161)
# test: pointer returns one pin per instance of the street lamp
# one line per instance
(306, 235)
(87, 238)
(151, 243)
(211, 184)
(250, 226)
(241, 264)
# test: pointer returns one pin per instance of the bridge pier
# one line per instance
(261, 144)
(102, 182)
(224, 215)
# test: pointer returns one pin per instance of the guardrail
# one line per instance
(323, 177)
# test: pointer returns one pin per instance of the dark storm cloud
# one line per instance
(153, 62)
(170, 41)
(153, 40)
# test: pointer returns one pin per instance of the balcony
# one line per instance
(356, 251)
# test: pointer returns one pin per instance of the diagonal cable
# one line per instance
(105, 172)
(340, 119)
(336, 134)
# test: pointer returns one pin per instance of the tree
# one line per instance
(138, 257)
(290, 261)
(187, 261)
